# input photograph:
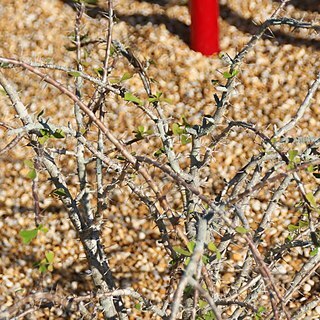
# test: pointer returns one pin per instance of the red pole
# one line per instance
(204, 26)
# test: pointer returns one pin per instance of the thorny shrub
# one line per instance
(199, 228)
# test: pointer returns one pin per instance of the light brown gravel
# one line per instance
(272, 83)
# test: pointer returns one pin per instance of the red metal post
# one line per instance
(204, 26)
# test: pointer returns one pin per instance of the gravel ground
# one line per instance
(272, 84)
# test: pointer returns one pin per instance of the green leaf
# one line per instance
(43, 140)
(126, 76)
(28, 235)
(176, 129)
(43, 229)
(153, 99)
(202, 303)
(141, 129)
(303, 224)
(310, 168)
(29, 163)
(185, 140)
(205, 259)
(241, 230)
(42, 268)
(311, 199)
(74, 74)
(158, 94)
(292, 228)
(32, 174)
(159, 152)
(59, 192)
(98, 71)
(228, 75)
(131, 98)
(187, 261)
(314, 252)
(49, 256)
(137, 306)
(167, 100)
(44, 132)
(191, 245)
(59, 134)
(289, 239)
(4, 64)
(185, 121)
(292, 154)
(209, 316)
(212, 247)
(114, 81)
(182, 251)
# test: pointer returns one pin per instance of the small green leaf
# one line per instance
(187, 261)
(43, 140)
(311, 199)
(289, 238)
(176, 129)
(202, 303)
(114, 80)
(303, 224)
(159, 152)
(241, 230)
(292, 154)
(310, 168)
(141, 129)
(314, 252)
(185, 140)
(167, 100)
(182, 251)
(228, 75)
(44, 132)
(191, 245)
(126, 76)
(43, 229)
(59, 192)
(42, 268)
(292, 228)
(131, 98)
(29, 163)
(137, 306)
(74, 73)
(32, 174)
(153, 99)
(28, 235)
(4, 64)
(205, 259)
(59, 134)
(98, 71)
(212, 247)
(49, 256)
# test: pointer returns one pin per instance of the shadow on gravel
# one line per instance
(307, 5)
(247, 26)
(182, 30)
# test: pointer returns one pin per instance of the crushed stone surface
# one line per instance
(272, 83)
